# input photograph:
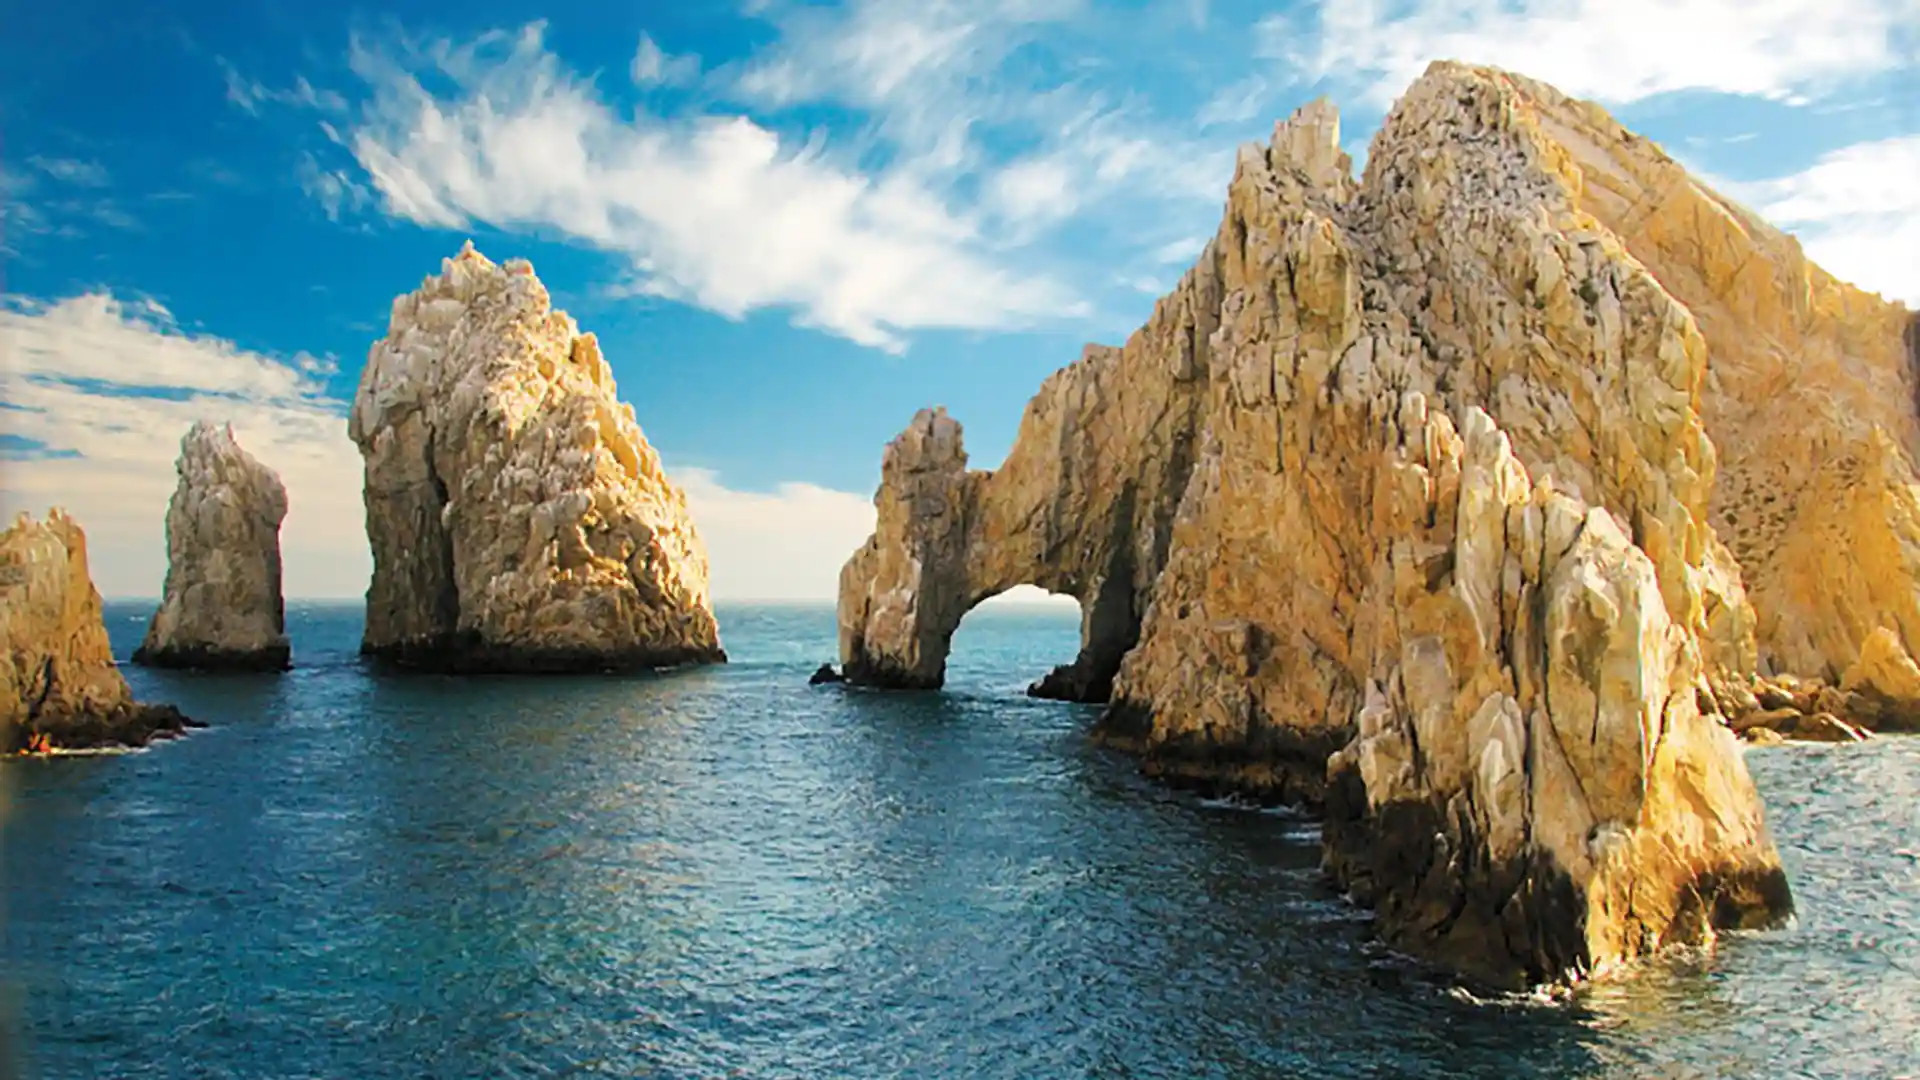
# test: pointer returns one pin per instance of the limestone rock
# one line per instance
(59, 688)
(222, 606)
(519, 519)
(1811, 397)
(1399, 504)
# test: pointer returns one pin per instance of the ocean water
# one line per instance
(727, 873)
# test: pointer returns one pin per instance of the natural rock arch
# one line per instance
(1083, 506)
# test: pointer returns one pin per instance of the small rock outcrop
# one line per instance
(825, 674)
(222, 607)
(1399, 505)
(519, 520)
(59, 688)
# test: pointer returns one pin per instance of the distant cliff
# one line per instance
(1402, 504)
(519, 520)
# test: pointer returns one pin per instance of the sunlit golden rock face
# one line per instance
(1402, 504)
(519, 519)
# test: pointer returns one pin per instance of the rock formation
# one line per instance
(222, 607)
(1400, 505)
(1810, 398)
(59, 688)
(519, 519)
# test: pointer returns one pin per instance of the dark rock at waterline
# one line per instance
(129, 726)
(277, 657)
(825, 674)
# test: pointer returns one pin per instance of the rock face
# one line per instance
(1400, 505)
(222, 607)
(1810, 398)
(59, 688)
(519, 519)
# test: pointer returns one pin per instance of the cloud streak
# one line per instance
(1616, 51)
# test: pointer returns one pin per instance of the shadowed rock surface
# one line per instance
(222, 607)
(59, 687)
(519, 520)
(1400, 505)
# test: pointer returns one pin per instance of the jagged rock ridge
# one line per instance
(59, 688)
(1409, 488)
(222, 606)
(519, 519)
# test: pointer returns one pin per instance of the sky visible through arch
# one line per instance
(790, 225)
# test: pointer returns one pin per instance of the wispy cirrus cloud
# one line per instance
(714, 211)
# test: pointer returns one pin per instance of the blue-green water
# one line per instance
(727, 873)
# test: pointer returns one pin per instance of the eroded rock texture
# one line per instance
(59, 688)
(519, 519)
(1810, 398)
(1409, 490)
(222, 607)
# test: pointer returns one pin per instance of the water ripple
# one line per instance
(729, 873)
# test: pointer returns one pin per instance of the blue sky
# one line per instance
(791, 225)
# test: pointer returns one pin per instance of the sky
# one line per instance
(790, 224)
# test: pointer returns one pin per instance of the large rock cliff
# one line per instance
(1409, 487)
(221, 607)
(1810, 398)
(519, 519)
(59, 688)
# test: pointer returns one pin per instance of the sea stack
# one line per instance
(519, 520)
(1399, 506)
(222, 608)
(59, 688)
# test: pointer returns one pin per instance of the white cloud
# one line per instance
(652, 66)
(250, 94)
(333, 189)
(716, 212)
(71, 171)
(1614, 50)
(1183, 250)
(102, 389)
(788, 544)
(1238, 103)
(941, 80)
(1856, 211)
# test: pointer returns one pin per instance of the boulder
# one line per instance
(519, 520)
(59, 687)
(1826, 727)
(222, 607)
(1399, 506)
(825, 674)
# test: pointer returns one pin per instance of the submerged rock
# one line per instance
(222, 607)
(1398, 505)
(59, 688)
(519, 519)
